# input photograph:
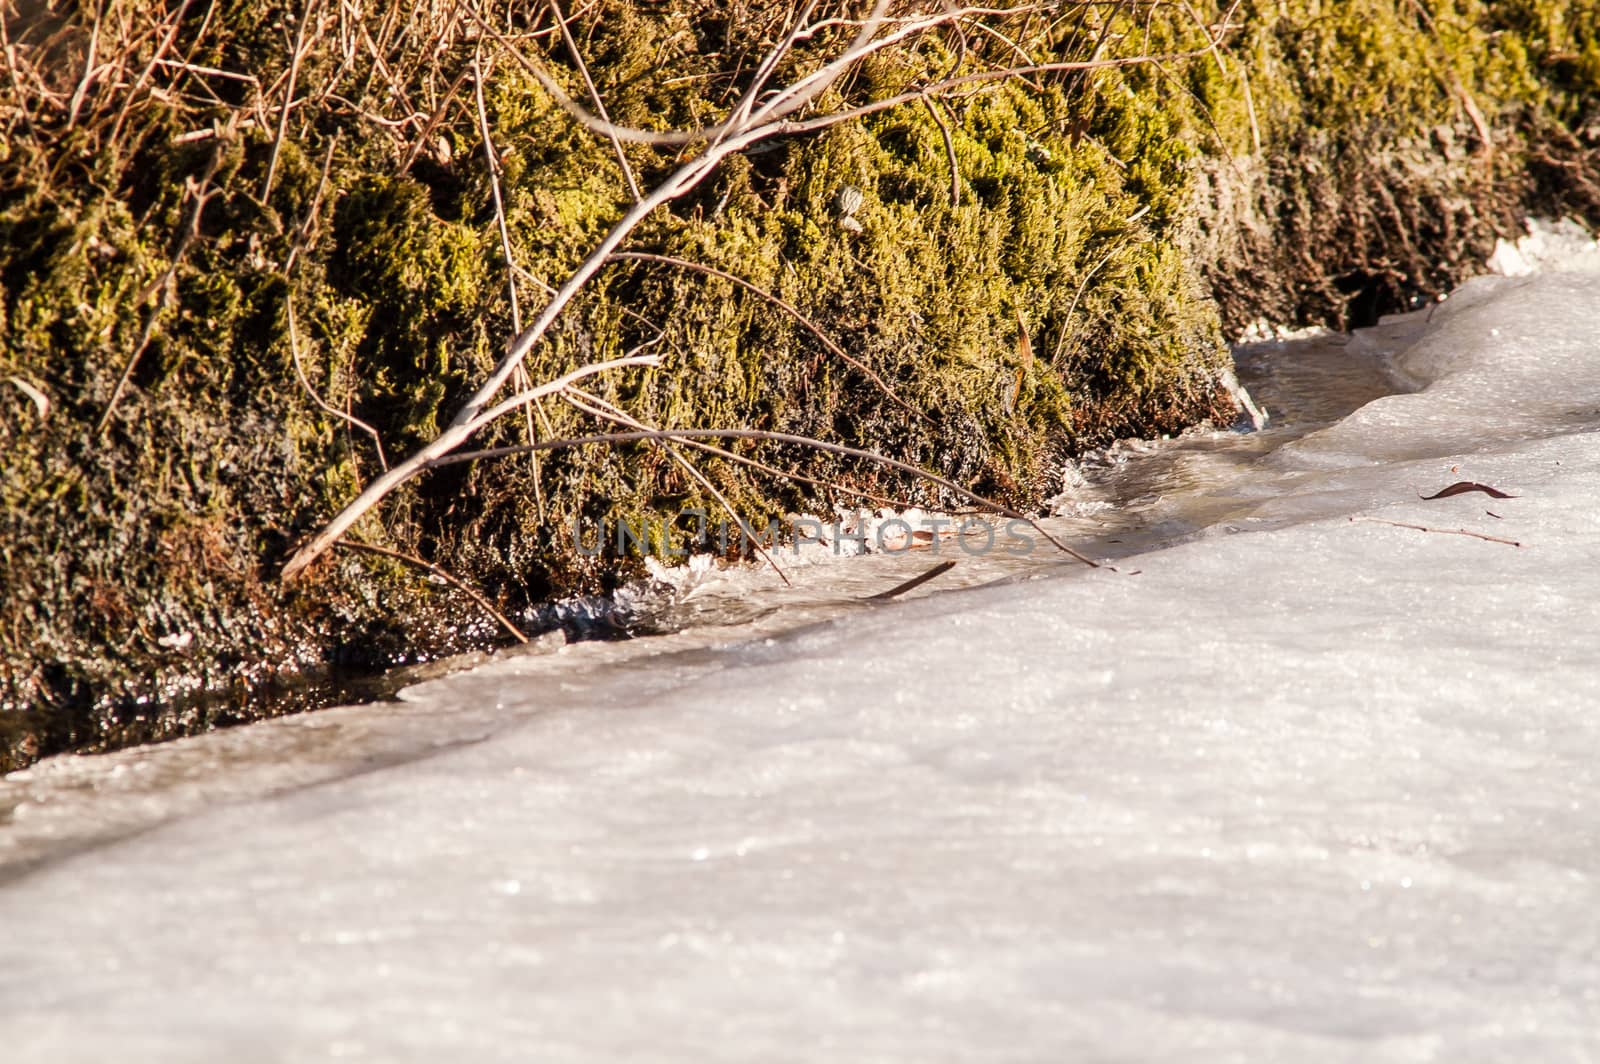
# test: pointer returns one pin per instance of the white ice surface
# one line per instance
(1307, 788)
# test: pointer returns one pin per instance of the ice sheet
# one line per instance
(1309, 787)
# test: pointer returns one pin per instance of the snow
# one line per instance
(1547, 245)
(1305, 786)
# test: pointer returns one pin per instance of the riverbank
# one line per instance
(239, 283)
(1315, 784)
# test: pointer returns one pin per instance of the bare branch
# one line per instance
(793, 97)
(1438, 531)
(767, 118)
(311, 393)
(776, 437)
(434, 119)
(597, 407)
(594, 124)
(772, 470)
(914, 583)
(1066, 321)
(443, 574)
(949, 150)
(557, 385)
(812, 125)
(594, 96)
(492, 160)
(741, 110)
(785, 306)
(175, 22)
(288, 97)
(90, 70)
(202, 193)
(447, 441)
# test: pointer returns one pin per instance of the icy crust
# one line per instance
(1503, 359)
(1325, 792)
(1548, 246)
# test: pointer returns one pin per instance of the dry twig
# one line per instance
(201, 193)
(771, 470)
(321, 403)
(949, 150)
(520, 380)
(594, 97)
(411, 559)
(761, 115)
(775, 437)
(442, 445)
(596, 407)
(1439, 531)
(785, 306)
(295, 59)
(914, 583)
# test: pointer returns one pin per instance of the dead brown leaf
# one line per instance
(1461, 487)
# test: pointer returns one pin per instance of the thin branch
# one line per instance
(772, 470)
(600, 408)
(492, 160)
(14, 69)
(914, 583)
(305, 234)
(305, 384)
(288, 98)
(795, 96)
(412, 559)
(804, 90)
(1250, 109)
(776, 437)
(766, 121)
(1211, 42)
(1009, 43)
(594, 95)
(812, 125)
(41, 401)
(1439, 531)
(471, 416)
(559, 384)
(441, 445)
(1453, 83)
(433, 120)
(758, 81)
(681, 181)
(303, 238)
(785, 306)
(949, 150)
(202, 192)
(774, 127)
(1066, 322)
(133, 94)
(89, 69)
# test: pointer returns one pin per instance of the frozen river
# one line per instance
(1317, 781)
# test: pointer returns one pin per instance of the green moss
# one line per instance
(1371, 152)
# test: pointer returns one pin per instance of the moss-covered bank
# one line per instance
(1383, 145)
(1041, 264)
